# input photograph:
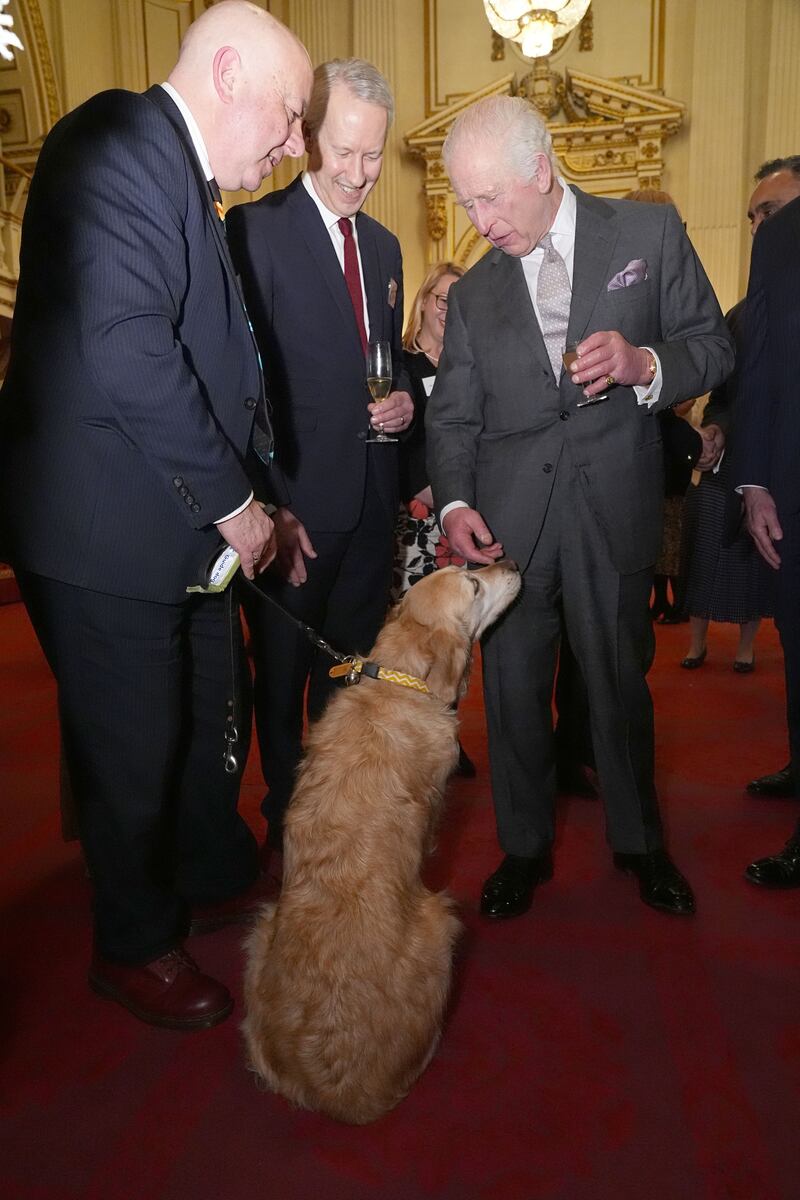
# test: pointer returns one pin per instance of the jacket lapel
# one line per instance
(318, 240)
(512, 306)
(160, 98)
(373, 282)
(595, 238)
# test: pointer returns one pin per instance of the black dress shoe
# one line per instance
(778, 870)
(693, 661)
(744, 668)
(509, 891)
(781, 784)
(661, 884)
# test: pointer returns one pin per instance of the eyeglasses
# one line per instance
(440, 301)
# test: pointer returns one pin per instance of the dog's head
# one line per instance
(430, 633)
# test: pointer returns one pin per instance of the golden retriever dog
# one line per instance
(347, 976)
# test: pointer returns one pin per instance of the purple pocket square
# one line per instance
(635, 272)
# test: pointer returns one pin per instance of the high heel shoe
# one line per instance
(744, 668)
(691, 663)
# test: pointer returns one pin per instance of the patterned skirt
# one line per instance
(419, 548)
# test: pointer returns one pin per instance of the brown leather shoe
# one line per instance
(238, 910)
(171, 991)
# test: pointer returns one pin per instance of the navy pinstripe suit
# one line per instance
(126, 418)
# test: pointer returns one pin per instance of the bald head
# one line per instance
(246, 79)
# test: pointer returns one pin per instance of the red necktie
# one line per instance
(352, 277)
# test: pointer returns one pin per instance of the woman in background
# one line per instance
(726, 581)
(419, 546)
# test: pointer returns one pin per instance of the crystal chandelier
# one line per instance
(534, 25)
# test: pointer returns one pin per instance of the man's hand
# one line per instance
(470, 537)
(294, 547)
(252, 535)
(605, 355)
(394, 414)
(713, 445)
(762, 523)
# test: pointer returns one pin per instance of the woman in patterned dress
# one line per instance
(420, 547)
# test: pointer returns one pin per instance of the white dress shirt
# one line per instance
(331, 222)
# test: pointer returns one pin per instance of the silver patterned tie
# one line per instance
(553, 298)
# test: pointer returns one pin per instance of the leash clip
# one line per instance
(350, 668)
(231, 738)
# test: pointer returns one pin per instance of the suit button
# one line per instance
(362, 435)
(547, 468)
(184, 491)
(564, 415)
(250, 402)
(178, 481)
(195, 508)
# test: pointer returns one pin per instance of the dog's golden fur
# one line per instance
(348, 975)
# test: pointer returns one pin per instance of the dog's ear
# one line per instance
(448, 653)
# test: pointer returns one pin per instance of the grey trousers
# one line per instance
(608, 624)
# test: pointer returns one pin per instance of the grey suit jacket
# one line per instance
(497, 422)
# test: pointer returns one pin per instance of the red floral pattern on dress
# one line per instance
(445, 557)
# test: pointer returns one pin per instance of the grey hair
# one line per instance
(359, 76)
(510, 123)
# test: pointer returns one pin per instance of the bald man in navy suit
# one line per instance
(127, 416)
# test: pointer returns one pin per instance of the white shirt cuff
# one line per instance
(649, 393)
(758, 486)
(448, 508)
(235, 512)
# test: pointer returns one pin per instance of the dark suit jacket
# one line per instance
(313, 363)
(767, 449)
(413, 467)
(498, 423)
(127, 410)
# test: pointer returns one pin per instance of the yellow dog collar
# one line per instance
(354, 668)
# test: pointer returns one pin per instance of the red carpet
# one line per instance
(595, 1048)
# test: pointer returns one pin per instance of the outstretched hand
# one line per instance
(470, 537)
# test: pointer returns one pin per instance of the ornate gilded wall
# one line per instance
(718, 79)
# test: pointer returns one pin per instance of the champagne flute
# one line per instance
(569, 356)
(379, 380)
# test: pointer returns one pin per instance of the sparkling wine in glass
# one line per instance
(569, 356)
(379, 380)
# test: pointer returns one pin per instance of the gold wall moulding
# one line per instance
(610, 140)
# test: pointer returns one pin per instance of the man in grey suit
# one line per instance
(563, 472)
